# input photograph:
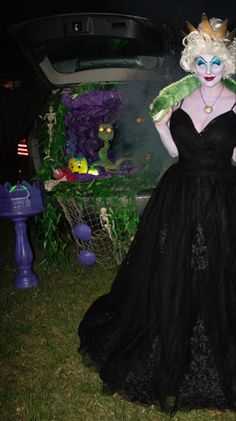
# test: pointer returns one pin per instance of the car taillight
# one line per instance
(22, 148)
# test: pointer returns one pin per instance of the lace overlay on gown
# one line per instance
(165, 333)
(199, 259)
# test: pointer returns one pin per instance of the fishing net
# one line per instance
(112, 227)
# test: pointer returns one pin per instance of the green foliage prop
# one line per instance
(57, 158)
(117, 193)
(56, 236)
(57, 155)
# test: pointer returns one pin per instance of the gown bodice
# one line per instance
(210, 149)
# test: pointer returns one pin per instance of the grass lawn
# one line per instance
(42, 375)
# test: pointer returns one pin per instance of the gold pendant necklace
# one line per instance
(209, 108)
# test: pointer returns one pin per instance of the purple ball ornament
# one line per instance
(82, 232)
(86, 257)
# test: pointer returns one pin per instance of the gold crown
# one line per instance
(206, 28)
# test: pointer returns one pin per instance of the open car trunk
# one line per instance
(102, 69)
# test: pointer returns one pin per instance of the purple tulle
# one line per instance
(85, 113)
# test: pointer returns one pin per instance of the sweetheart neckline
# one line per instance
(208, 124)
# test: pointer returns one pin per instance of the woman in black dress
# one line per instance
(166, 332)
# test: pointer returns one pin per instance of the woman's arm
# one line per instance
(165, 135)
(234, 156)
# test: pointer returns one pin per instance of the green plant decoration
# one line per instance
(117, 193)
(56, 157)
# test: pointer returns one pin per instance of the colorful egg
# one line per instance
(86, 257)
(58, 174)
(82, 232)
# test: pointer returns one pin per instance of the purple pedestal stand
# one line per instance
(25, 278)
(19, 203)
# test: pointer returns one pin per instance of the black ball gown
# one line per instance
(166, 332)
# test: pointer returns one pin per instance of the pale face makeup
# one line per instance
(209, 69)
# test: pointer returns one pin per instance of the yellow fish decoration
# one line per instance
(79, 165)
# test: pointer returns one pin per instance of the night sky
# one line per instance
(174, 12)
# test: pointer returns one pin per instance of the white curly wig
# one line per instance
(197, 43)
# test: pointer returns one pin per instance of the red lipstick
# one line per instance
(209, 78)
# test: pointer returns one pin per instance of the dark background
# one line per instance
(19, 107)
